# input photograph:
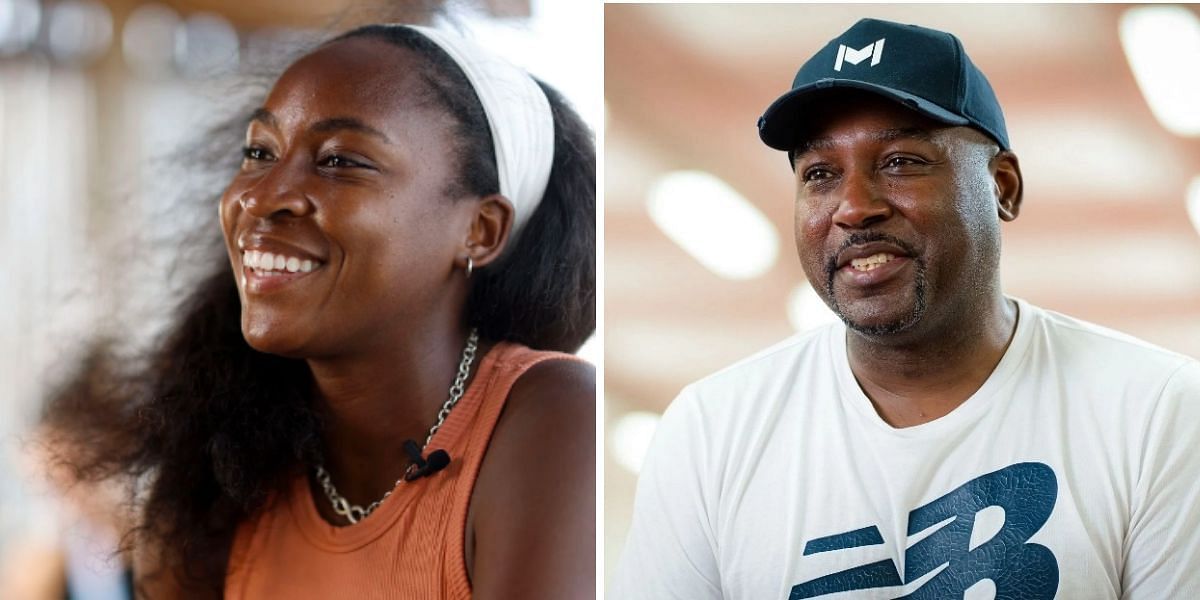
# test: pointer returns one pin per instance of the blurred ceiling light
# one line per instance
(630, 437)
(80, 31)
(1193, 202)
(806, 310)
(19, 20)
(1162, 44)
(206, 45)
(148, 39)
(714, 223)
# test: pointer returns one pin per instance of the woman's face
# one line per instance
(338, 225)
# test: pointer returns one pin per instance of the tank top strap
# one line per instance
(509, 362)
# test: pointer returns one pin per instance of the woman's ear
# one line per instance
(1006, 173)
(488, 231)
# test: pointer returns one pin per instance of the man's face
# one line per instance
(897, 216)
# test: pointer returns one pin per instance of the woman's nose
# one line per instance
(278, 193)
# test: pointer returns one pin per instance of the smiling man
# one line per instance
(944, 440)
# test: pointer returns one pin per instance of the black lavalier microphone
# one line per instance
(423, 466)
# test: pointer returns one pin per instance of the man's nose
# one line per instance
(861, 203)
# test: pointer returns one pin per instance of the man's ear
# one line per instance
(488, 230)
(1006, 174)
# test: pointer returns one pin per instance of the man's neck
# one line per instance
(919, 381)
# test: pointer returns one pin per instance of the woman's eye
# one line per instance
(337, 161)
(255, 153)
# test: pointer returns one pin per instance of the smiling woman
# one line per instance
(373, 396)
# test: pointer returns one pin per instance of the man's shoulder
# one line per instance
(741, 403)
(1086, 342)
(777, 365)
(1099, 362)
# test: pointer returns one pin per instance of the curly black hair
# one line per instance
(206, 429)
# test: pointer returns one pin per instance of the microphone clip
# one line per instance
(423, 466)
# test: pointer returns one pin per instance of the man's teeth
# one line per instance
(266, 262)
(871, 262)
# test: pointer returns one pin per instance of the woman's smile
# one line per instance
(269, 265)
(265, 280)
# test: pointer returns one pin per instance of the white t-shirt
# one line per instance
(1073, 472)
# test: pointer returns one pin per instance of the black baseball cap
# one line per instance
(924, 69)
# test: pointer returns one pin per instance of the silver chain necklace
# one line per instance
(355, 513)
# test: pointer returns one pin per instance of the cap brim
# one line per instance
(779, 125)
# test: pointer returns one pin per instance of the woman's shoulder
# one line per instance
(546, 385)
(534, 501)
(554, 377)
(552, 402)
(550, 406)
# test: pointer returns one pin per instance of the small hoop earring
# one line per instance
(470, 266)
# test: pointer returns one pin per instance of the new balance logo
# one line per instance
(852, 56)
(1017, 567)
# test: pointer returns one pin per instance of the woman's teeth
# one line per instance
(871, 262)
(267, 262)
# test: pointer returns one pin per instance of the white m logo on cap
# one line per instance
(852, 56)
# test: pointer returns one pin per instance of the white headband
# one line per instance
(518, 115)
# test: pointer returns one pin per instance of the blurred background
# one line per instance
(1103, 110)
(104, 112)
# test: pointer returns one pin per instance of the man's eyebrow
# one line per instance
(884, 135)
(267, 118)
(811, 144)
(918, 133)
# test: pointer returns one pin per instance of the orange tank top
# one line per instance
(412, 545)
